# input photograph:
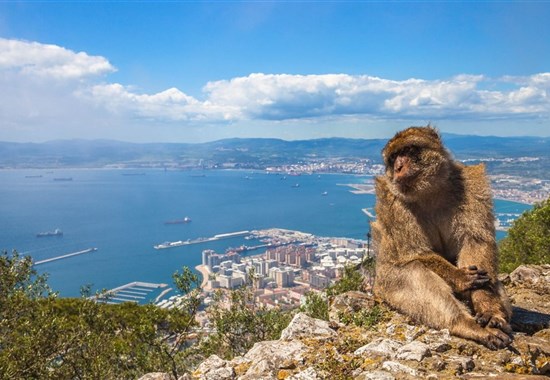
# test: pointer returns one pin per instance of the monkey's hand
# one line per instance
(470, 278)
(494, 321)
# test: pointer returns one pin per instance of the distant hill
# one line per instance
(260, 152)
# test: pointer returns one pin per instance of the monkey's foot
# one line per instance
(493, 321)
(492, 338)
(495, 339)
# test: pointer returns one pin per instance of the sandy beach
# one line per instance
(205, 273)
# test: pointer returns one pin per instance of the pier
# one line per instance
(65, 256)
(179, 243)
(136, 292)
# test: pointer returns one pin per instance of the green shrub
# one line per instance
(528, 240)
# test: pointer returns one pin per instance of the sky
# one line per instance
(194, 71)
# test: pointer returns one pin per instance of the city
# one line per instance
(294, 264)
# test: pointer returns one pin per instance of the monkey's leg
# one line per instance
(420, 293)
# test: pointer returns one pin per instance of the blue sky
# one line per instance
(200, 71)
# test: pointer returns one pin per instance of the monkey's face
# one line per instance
(404, 168)
(415, 160)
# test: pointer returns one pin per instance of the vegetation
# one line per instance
(238, 322)
(45, 337)
(528, 240)
(316, 305)
(352, 279)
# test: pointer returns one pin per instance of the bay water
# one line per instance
(123, 214)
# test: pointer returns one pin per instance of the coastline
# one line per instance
(204, 273)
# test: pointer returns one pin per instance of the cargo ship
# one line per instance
(179, 243)
(56, 232)
(179, 221)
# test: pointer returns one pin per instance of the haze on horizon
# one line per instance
(202, 71)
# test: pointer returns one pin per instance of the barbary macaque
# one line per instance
(435, 240)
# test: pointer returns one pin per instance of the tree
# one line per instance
(528, 240)
(43, 337)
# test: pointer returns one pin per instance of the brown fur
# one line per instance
(435, 240)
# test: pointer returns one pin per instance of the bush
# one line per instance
(238, 322)
(528, 240)
(316, 305)
(43, 337)
(352, 279)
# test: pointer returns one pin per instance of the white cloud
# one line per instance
(262, 96)
(49, 60)
(48, 86)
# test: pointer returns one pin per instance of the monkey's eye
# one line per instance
(410, 151)
(392, 158)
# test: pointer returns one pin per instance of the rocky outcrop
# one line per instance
(395, 347)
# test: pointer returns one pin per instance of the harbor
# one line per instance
(180, 243)
(89, 250)
(136, 292)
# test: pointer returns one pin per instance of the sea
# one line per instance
(123, 213)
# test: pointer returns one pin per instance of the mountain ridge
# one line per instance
(264, 151)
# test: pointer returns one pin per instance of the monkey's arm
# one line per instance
(460, 279)
(479, 248)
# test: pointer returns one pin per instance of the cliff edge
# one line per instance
(395, 347)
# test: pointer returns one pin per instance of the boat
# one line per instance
(296, 185)
(179, 221)
(56, 232)
(324, 193)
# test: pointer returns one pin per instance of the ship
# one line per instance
(56, 232)
(63, 179)
(179, 221)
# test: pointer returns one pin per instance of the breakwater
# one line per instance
(89, 250)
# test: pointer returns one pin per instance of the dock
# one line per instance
(89, 250)
(180, 243)
(135, 292)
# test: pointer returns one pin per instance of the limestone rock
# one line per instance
(303, 326)
(268, 358)
(214, 368)
(413, 351)
(396, 367)
(532, 274)
(349, 302)
(307, 374)
(382, 347)
(376, 375)
(156, 376)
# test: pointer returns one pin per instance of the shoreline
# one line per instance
(205, 273)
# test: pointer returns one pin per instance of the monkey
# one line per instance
(434, 238)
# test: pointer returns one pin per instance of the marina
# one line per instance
(137, 292)
(89, 250)
(179, 243)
